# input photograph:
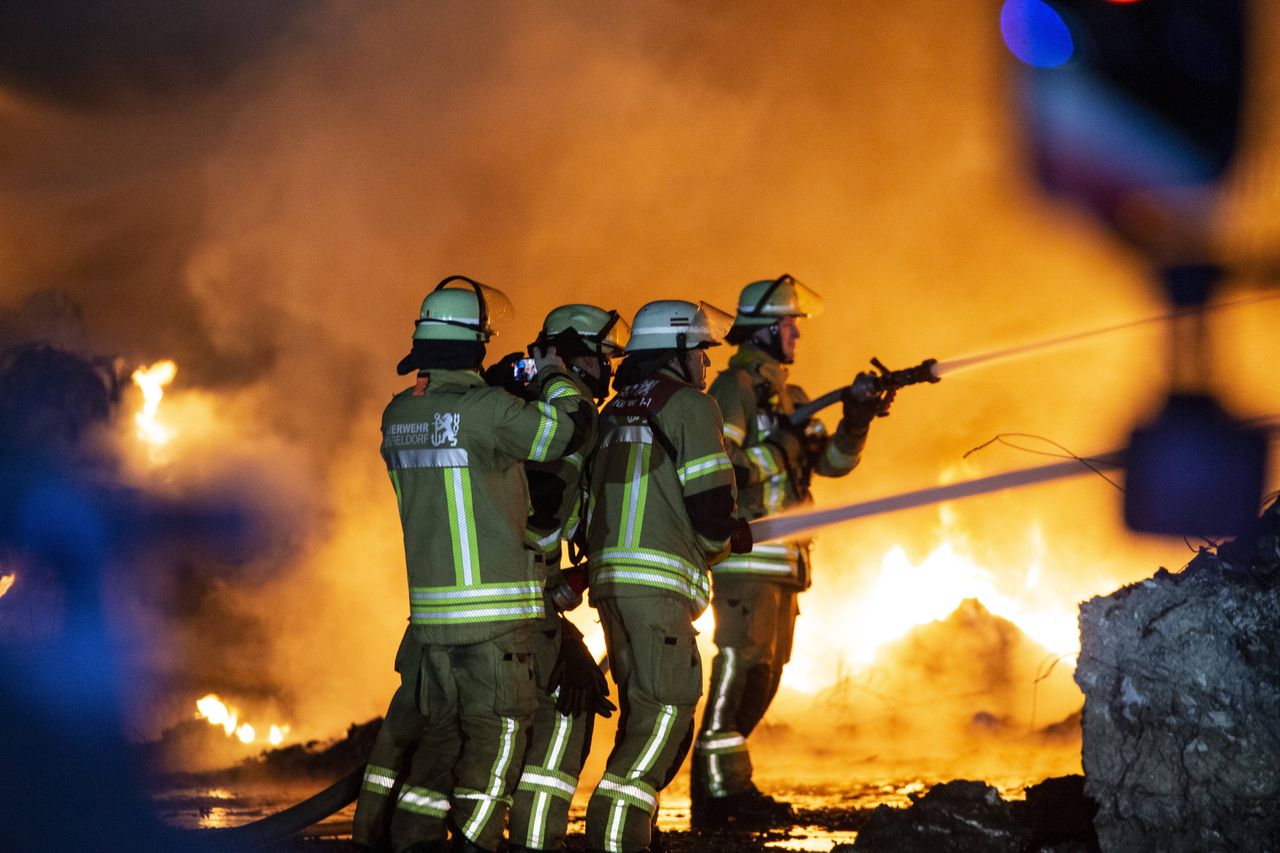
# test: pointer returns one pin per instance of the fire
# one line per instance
(904, 595)
(6, 582)
(219, 713)
(152, 381)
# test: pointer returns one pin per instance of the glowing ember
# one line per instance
(152, 381)
(6, 582)
(219, 713)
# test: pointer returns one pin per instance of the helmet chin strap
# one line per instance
(772, 343)
(598, 385)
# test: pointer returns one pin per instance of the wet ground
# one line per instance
(826, 815)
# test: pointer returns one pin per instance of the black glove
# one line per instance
(861, 405)
(741, 541)
(502, 374)
(582, 684)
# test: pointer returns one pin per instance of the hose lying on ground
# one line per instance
(282, 824)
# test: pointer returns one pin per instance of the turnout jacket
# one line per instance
(557, 488)
(755, 399)
(454, 449)
(662, 493)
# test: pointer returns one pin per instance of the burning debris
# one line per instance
(1181, 674)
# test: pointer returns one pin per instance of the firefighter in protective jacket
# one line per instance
(661, 512)
(571, 686)
(454, 448)
(755, 594)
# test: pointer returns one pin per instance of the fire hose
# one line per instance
(282, 824)
(883, 384)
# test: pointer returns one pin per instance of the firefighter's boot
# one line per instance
(748, 809)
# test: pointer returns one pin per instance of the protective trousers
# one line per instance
(558, 746)
(398, 737)
(476, 702)
(653, 656)
(755, 621)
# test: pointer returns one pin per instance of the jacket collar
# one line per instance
(438, 379)
(764, 368)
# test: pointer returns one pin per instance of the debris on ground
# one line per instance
(1181, 675)
(964, 816)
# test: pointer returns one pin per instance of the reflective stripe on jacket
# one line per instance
(754, 397)
(640, 537)
(453, 448)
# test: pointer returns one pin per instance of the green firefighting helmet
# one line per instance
(674, 324)
(602, 332)
(460, 309)
(764, 303)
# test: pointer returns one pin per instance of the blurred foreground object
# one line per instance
(72, 781)
(1181, 676)
(1133, 111)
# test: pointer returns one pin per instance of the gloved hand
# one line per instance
(790, 444)
(501, 374)
(568, 593)
(545, 359)
(741, 541)
(861, 403)
(579, 678)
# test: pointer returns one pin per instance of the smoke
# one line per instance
(265, 192)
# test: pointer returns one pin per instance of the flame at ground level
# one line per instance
(844, 635)
(219, 713)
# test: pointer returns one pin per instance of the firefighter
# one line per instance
(662, 510)
(454, 449)
(754, 598)
(572, 687)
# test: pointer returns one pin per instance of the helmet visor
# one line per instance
(710, 325)
(494, 308)
(614, 336)
(784, 297)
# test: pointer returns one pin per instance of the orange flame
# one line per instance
(152, 380)
(6, 582)
(219, 713)
(904, 595)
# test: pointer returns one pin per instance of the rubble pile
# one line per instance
(1181, 675)
(963, 816)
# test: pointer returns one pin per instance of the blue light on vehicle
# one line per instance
(1035, 33)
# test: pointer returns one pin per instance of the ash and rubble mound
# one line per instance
(953, 687)
(1181, 674)
(965, 816)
